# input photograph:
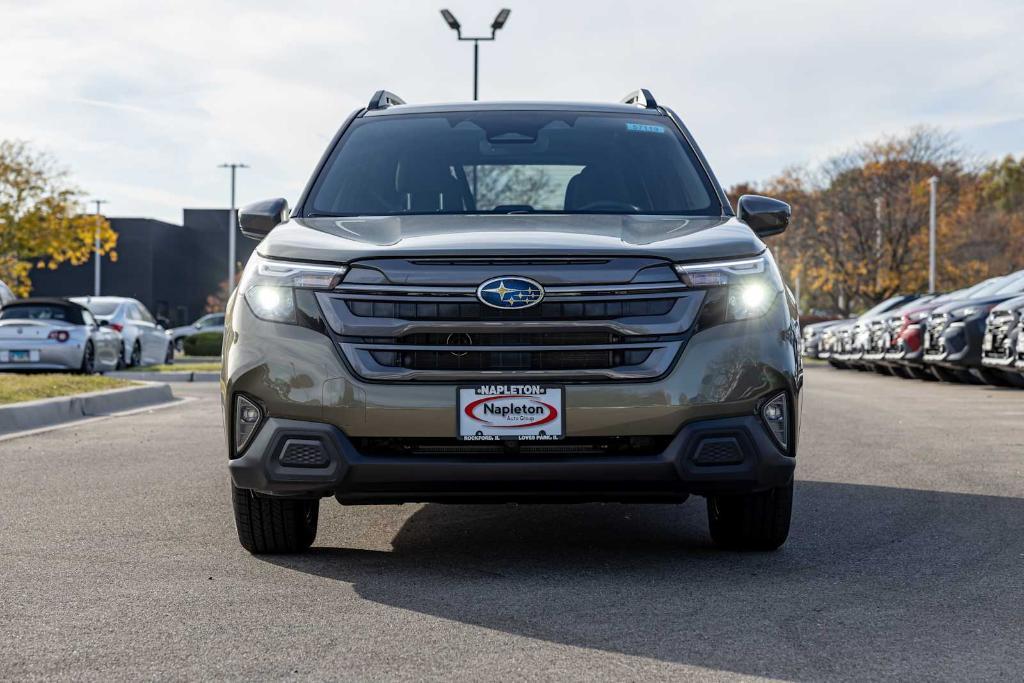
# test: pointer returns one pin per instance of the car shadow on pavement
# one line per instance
(873, 582)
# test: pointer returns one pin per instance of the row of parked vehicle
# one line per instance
(88, 334)
(972, 335)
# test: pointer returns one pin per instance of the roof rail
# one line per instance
(382, 99)
(641, 98)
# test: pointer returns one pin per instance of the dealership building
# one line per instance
(170, 268)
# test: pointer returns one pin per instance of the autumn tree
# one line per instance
(859, 232)
(41, 225)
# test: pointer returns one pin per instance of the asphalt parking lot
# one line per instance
(906, 560)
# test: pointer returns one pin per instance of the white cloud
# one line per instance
(143, 100)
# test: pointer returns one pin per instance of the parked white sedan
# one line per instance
(55, 334)
(144, 340)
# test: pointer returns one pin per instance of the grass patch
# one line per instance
(180, 367)
(15, 388)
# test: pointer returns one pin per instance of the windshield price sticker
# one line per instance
(517, 412)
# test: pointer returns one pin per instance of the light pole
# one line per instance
(496, 25)
(96, 248)
(933, 183)
(231, 226)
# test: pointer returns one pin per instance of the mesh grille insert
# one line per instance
(304, 454)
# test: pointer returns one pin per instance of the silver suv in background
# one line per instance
(143, 340)
(211, 322)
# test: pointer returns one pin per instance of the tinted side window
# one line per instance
(144, 314)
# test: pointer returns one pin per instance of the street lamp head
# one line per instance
(499, 21)
(450, 19)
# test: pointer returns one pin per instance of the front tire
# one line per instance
(169, 356)
(752, 521)
(136, 359)
(274, 525)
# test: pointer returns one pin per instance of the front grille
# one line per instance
(443, 333)
(505, 338)
(998, 328)
(452, 448)
(591, 310)
(480, 361)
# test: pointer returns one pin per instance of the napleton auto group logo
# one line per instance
(510, 292)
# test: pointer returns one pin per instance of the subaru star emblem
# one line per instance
(510, 292)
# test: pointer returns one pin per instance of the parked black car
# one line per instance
(955, 334)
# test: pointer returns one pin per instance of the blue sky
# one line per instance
(142, 100)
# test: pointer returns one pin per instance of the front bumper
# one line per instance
(353, 477)
(959, 345)
(721, 378)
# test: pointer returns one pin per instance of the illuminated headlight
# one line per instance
(269, 286)
(775, 413)
(271, 303)
(751, 284)
(247, 418)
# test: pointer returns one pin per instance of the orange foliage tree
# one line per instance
(41, 225)
(860, 221)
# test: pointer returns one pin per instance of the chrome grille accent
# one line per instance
(999, 326)
(937, 324)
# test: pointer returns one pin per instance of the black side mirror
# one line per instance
(163, 322)
(764, 215)
(256, 220)
(103, 323)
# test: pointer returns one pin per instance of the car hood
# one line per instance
(980, 301)
(1014, 304)
(348, 239)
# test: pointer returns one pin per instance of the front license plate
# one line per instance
(22, 356)
(516, 412)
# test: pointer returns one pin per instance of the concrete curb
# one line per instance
(19, 417)
(166, 376)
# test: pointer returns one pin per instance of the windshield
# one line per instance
(1013, 284)
(886, 305)
(512, 162)
(102, 307)
(54, 312)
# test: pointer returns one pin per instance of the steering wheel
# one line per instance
(610, 205)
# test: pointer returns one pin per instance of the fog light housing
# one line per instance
(775, 413)
(248, 416)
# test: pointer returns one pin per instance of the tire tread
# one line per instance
(274, 525)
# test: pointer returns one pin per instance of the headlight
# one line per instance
(961, 312)
(965, 311)
(271, 287)
(917, 316)
(744, 288)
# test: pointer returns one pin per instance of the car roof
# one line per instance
(111, 299)
(598, 107)
(45, 301)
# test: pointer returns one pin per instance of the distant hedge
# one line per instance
(204, 344)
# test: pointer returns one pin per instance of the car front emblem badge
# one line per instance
(510, 292)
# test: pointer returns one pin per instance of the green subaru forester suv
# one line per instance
(512, 302)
